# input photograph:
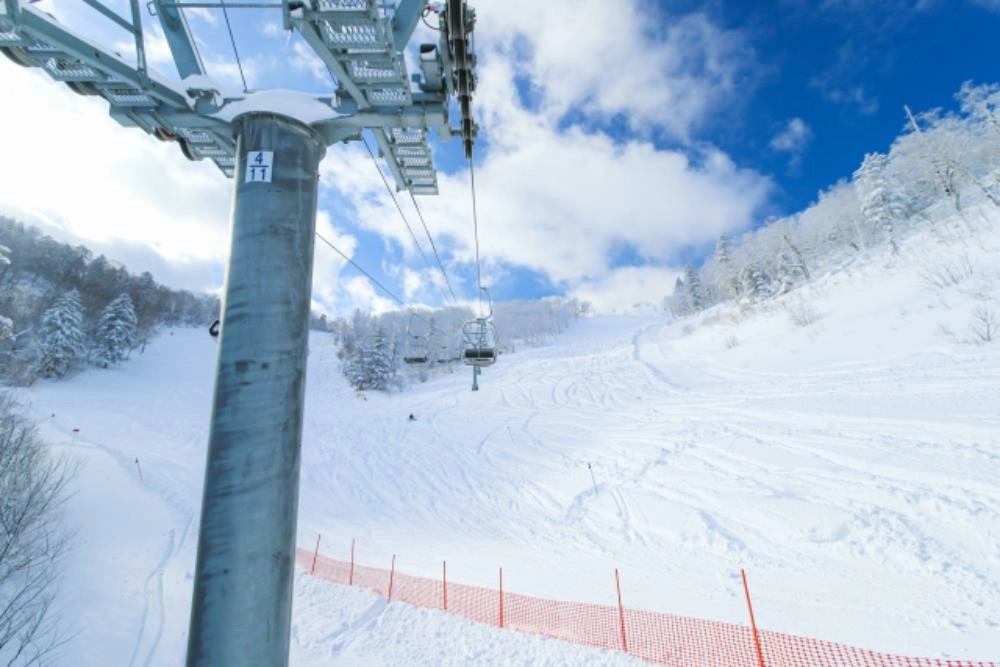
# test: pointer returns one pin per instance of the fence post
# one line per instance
(753, 622)
(444, 579)
(312, 570)
(350, 577)
(392, 575)
(501, 596)
(621, 611)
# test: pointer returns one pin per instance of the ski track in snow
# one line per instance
(860, 493)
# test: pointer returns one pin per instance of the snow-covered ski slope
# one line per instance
(852, 466)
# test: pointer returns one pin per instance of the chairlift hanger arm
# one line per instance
(489, 301)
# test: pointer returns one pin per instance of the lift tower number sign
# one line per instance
(259, 166)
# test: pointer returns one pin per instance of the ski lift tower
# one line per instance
(271, 144)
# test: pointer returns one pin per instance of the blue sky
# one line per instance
(618, 140)
(847, 69)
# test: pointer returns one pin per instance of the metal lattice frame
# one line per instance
(360, 41)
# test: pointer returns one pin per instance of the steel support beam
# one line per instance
(383, 145)
(242, 603)
(179, 39)
(313, 38)
(39, 26)
(407, 14)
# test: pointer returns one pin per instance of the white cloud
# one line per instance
(363, 295)
(304, 59)
(793, 138)
(558, 198)
(78, 170)
(560, 201)
(606, 58)
(627, 286)
(203, 14)
(328, 264)
(413, 282)
(855, 95)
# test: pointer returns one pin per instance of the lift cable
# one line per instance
(437, 257)
(399, 208)
(232, 40)
(475, 227)
(372, 278)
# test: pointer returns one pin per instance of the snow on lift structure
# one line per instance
(417, 350)
(272, 143)
(479, 339)
(360, 41)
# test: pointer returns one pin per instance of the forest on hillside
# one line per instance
(373, 348)
(61, 308)
(941, 166)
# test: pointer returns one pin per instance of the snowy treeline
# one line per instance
(61, 308)
(374, 349)
(940, 165)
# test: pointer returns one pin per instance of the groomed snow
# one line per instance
(850, 466)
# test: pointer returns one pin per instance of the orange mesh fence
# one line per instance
(664, 639)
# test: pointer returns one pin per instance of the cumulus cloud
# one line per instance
(627, 286)
(793, 140)
(604, 59)
(328, 264)
(559, 200)
(78, 170)
(560, 194)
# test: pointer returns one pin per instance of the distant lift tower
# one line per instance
(270, 143)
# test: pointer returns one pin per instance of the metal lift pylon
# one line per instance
(246, 538)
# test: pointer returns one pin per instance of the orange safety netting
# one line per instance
(660, 638)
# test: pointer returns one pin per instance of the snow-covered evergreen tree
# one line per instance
(437, 347)
(693, 288)
(373, 366)
(722, 250)
(61, 341)
(678, 301)
(881, 204)
(755, 282)
(355, 367)
(381, 361)
(116, 332)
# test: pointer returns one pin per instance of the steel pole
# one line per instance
(242, 603)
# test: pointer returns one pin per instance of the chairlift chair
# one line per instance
(416, 351)
(479, 342)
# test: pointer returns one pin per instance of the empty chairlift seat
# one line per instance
(479, 342)
(416, 350)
